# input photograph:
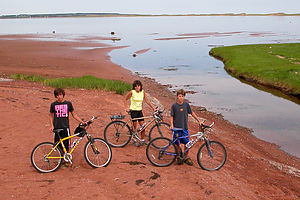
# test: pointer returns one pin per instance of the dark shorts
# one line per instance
(181, 133)
(136, 114)
(63, 134)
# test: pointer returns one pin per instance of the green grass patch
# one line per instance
(30, 78)
(87, 82)
(275, 65)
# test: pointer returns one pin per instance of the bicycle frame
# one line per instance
(64, 149)
(199, 135)
(136, 130)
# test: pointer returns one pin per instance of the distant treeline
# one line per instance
(65, 15)
(130, 15)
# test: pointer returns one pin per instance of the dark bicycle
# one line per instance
(211, 155)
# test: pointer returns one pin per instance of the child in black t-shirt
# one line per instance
(59, 116)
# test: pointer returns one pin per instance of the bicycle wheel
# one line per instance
(97, 152)
(213, 159)
(117, 134)
(161, 152)
(161, 129)
(41, 162)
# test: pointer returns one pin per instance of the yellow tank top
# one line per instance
(136, 100)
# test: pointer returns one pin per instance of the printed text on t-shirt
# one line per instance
(61, 110)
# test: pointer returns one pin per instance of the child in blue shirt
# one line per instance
(179, 120)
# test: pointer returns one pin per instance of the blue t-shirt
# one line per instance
(180, 114)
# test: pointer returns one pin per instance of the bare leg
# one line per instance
(143, 131)
(187, 153)
(187, 160)
(179, 158)
(134, 125)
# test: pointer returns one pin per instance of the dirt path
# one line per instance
(254, 170)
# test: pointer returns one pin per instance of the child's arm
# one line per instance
(196, 117)
(51, 117)
(147, 101)
(171, 122)
(75, 116)
(129, 94)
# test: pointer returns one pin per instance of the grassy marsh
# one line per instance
(272, 65)
(87, 82)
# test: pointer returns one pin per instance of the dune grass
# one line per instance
(274, 65)
(87, 82)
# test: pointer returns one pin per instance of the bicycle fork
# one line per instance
(95, 149)
(207, 143)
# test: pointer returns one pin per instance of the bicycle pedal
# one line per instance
(135, 143)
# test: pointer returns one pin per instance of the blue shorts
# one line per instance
(181, 133)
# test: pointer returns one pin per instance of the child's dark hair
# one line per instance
(59, 91)
(135, 83)
(181, 91)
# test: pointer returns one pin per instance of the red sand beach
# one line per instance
(255, 169)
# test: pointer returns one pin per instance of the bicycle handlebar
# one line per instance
(89, 122)
(207, 126)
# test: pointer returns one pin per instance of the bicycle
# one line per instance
(211, 155)
(118, 133)
(47, 156)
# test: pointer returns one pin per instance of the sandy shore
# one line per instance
(255, 169)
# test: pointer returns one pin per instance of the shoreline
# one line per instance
(246, 153)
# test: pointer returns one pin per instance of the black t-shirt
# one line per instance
(61, 113)
(180, 114)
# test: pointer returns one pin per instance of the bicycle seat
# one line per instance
(117, 117)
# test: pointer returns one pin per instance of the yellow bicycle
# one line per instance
(47, 156)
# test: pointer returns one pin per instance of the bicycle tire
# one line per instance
(216, 160)
(159, 130)
(39, 160)
(117, 134)
(161, 152)
(97, 153)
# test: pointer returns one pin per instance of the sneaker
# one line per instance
(179, 161)
(188, 161)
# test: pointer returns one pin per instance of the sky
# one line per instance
(149, 7)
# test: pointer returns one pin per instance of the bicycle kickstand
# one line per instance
(70, 162)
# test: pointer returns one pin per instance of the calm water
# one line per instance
(184, 62)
